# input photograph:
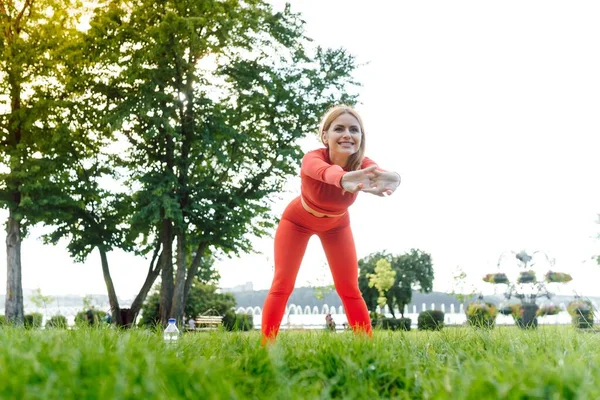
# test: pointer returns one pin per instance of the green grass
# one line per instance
(455, 363)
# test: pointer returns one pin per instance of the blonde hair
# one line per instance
(355, 160)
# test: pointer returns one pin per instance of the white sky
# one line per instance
(490, 111)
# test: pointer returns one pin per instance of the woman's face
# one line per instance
(344, 135)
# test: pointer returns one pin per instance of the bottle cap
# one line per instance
(172, 320)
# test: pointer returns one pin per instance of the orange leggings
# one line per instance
(294, 231)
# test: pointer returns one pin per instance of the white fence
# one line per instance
(298, 317)
(306, 317)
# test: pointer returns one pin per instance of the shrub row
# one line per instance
(427, 320)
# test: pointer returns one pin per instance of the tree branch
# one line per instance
(28, 4)
(151, 269)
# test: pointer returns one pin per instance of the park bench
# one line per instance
(209, 320)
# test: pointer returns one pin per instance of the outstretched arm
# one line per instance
(383, 183)
(355, 181)
(316, 167)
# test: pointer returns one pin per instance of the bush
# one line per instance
(508, 310)
(584, 320)
(575, 307)
(582, 313)
(481, 315)
(405, 324)
(33, 320)
(430, 320)
(394, 324)
(57, 321)
(237, 322)
(560, 277)
(81, 319)
(496, 278)
(549, 309)
(525, 316)
(2, 320)
(526, 277)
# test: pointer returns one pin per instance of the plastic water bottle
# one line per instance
(171, 332)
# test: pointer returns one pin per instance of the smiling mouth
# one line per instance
(346, 143)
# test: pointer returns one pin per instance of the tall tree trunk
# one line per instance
(166, 260)
(194, 269)
(13, 307)
(390, 305)
(125, 317)
(179, 291)
(187, 130)
(110, 288)
(153, 272)
(167, 235)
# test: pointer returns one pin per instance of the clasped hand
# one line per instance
(370, 180)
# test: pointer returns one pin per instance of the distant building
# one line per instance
(246, 287)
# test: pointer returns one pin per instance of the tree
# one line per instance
(211, 98)
(461, 288)
(35, 135)
(414, 271)
(382, 279)
(40, 300)
(366, 266)
(93, 217)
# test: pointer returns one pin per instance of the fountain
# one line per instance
(525, 285)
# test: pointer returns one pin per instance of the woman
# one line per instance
(331, 178)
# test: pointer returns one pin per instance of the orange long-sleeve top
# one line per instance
(320, 183)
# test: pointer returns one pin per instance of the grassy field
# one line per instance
(455, 363)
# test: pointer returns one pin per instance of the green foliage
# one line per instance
(481, 314)
(527, 315)
(458, 364)
(207, 102)
(150, 311)
(393, 324)
(560, 277)
(207, 273)
(37, 126)
(430, 320)
(524, 315)
(497, 278)
(2, 320)
(237, 322)
(202, 298)
(584, 320)
(582, 313)
(40, 300)
(460, 288)
(211, 101)
(382, 279)
(82, 318)
(550, 309)
(413, 270)
(576, 306)
(35, 107)
(33, 320)
(515, 310)
(87, 302)
(526, 277)
(57, 321)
